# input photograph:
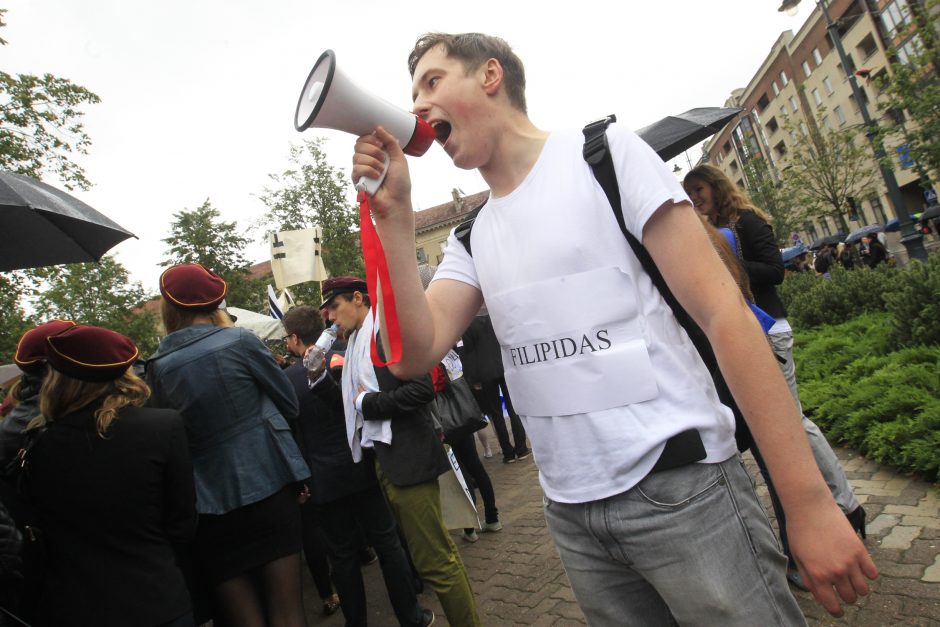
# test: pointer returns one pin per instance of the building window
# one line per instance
(817, 57)
(780, 149)
(734, 166)
(806, 69)
(804, 129)
(840, 115)
(784, 79)
(825, 121)
(877, 208)
(894, 16)
(817, 98)
(776, 88)
(793, 104)
(910, 50)
(867, 47)
(763, 102)
(772, 125)
(421, 255)
(827, 84)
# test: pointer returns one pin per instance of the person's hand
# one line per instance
(361, 389)
(830, 556)
(393, 198)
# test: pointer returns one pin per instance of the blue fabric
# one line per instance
(235, 401)
(765, 319)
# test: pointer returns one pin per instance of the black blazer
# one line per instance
(416, 454)
(113, 511)
(481, 356)
(320, 430)
(762, 261)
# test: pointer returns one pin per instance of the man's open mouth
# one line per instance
(442, 130)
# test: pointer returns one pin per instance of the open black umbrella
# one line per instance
(861, 232)
(930, 213)
(828, 240)
(44, 226)
(675, 133)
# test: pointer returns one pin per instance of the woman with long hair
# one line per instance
(717, 198)
(112, 486)
(235, 401)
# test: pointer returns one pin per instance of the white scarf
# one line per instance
(358, 370)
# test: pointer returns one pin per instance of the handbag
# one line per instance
(458, 411)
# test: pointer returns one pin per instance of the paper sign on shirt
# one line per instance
(562, 360)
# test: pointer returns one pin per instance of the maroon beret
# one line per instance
(31, 350)
(337, 285)
(91, 353)
(192, 286)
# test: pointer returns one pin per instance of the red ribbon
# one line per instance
(377, 274)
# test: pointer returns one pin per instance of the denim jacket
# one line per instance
(235, 400)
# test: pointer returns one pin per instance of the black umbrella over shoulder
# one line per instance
(44, 226)
(676, 133)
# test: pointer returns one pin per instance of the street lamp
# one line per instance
(910, 237)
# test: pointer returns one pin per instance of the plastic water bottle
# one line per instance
(316, 356)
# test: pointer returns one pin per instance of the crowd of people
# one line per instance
(187, 486)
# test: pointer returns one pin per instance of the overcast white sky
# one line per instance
(198, 96)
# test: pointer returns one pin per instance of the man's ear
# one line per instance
(492, 76)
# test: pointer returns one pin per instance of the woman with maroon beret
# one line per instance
(235, 402)
(111, 482)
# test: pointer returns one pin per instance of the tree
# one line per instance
(14, 320)
(313, 193)
(200, 236)
(100, 294)
(826, 167)
(41, 125)
(773, 197)
(912, 85)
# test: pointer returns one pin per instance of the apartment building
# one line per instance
(432, 226)
(802, 80)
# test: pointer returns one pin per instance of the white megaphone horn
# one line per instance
(331, 100)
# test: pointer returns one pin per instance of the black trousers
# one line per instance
(341, 521)
(488, 399)
(465, 450)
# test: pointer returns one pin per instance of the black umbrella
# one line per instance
(859, 233)
(930, 213)
(44, 226)
(828, 240)
(675, 133)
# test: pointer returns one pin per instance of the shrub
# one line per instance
(914, 303)
(812, 301)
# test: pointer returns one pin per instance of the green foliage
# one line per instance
(96, 293)
(812, 301)
(915, 303)
(41, 125)
(14, 321)
(887, 404)
(313, 193)
(201, 236)
(825, 167)
(911, 85)
(774, 198)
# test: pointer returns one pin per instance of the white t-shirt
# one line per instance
(598, 367)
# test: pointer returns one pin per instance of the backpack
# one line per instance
(596, 153)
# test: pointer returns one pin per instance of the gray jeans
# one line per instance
(688, 546)
(782, 344)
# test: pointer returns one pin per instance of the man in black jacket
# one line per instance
(393, 418)
(344, 494)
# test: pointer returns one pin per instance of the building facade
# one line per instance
(801, 83)
(433, 226)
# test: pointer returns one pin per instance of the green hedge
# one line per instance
(886, 403)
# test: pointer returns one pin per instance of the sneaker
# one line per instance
(470, 536)
(509, 460)
(493, 526)
(524, 454)
(427, 618)
(367, 556)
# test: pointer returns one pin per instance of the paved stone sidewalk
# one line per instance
(518, 578)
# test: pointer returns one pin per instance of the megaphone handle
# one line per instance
(370, 186)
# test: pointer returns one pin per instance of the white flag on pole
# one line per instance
(295, 257)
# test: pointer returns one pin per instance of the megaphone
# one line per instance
(331, 100)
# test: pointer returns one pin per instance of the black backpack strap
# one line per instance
(597, 154)
(463, 230)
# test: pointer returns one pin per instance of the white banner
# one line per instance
(295, 257)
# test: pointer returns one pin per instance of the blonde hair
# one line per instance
(62, 395)
(729, 201)
(176, 318)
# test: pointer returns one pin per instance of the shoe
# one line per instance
(470, 536)
(330, 605)
(367, 556)
(857, 520)
(427, 618)
(796, 580)
(492, 526)
(509, 460)
(487, 453)
(524, 454)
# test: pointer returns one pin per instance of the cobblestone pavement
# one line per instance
(518, 579)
